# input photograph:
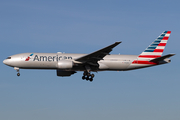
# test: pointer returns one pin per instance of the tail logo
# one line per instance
(28, 58)
(154, 50)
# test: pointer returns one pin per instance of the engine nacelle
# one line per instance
(65, 64)
(64, 73)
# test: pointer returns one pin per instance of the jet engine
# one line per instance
(65, 64)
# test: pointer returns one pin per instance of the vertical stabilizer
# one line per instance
(154, 50)
(157, 47)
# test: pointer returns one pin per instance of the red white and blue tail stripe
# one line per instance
(154, 50)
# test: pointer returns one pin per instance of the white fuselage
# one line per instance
(100, 60)
(50, 61)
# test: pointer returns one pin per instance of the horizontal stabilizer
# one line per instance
(161, 58)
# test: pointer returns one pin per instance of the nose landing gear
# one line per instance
(18, 74)
(88, 76)
(17, 69)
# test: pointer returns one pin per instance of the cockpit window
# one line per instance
(8, 58)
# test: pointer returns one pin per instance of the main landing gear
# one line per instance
(88, 76)
(17, 69)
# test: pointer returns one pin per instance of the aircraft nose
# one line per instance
(5, 62)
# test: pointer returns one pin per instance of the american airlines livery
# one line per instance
(100, 60)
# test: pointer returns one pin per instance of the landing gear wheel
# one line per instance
(17, 69)
(18, 74)
(83, 77)
(91, 79)
(87, 78)
(92, 75)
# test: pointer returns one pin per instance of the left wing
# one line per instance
(94, 57)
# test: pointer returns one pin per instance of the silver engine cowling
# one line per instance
(64, 64)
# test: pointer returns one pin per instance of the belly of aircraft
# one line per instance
(114, 65)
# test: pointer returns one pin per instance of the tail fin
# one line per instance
(156, 49)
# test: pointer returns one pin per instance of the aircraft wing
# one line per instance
(92, 58)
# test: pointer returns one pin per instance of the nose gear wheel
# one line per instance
(17, 69)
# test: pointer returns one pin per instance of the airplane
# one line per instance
(67, 64)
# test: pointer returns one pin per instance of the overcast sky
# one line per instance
(78, 26)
